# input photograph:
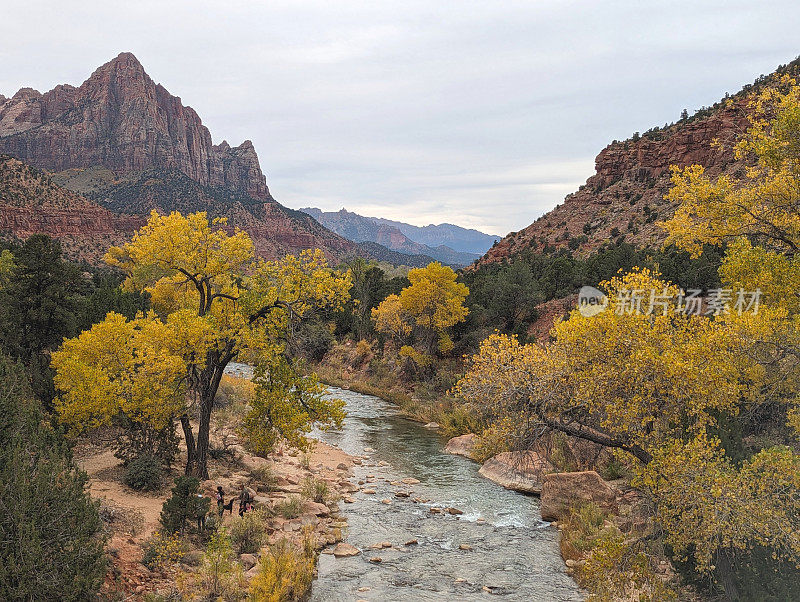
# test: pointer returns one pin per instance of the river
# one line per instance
(513, 555)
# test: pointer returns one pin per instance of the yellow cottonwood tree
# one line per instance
(657, 387)
(758, 217)
(626, 381)
(665, 387)
(762, 206)
(121, 369)
(213, 301)
(432, 303)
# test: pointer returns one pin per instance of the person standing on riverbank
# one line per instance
(244, 500)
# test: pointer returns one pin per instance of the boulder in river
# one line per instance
(462, 446)
(520, 471)
(562, 490)
(344, 550)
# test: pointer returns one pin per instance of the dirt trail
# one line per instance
(105, 473)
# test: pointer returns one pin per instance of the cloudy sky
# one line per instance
(483, 114)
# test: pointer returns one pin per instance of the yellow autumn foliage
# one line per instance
(432, 303)
(212, 301)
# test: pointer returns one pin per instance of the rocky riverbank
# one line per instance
(586, 509)
(133, 517)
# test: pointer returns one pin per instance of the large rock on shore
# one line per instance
(562, 490)
(520, 471)
(345, 550)
(462, 446)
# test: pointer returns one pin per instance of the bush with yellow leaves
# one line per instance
(219, 577)
(608, 566)
(162, 549)
(285, 572)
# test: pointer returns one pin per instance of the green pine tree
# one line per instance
(51, 540)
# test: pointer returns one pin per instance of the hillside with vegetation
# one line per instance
(626, 198)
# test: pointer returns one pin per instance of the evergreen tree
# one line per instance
(51, 543)
(185, 505)
(37, 308)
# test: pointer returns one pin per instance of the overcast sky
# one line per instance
(484, 114)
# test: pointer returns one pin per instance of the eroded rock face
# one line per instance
(520, 471)
(31, 204)
(126, 145)
(562, 490)
(463, 445)
(625, 196)
(120, 119)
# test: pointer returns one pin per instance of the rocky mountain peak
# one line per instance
(123, 121)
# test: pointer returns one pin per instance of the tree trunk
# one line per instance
(206, 405)
(191, 450)
(725, 575)
(208, 391)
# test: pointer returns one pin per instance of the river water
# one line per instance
(513, 556)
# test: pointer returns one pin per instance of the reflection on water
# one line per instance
(513, 555)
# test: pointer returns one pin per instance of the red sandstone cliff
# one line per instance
(30, 203)
(128, 145)
(120, 119)
(625, 196)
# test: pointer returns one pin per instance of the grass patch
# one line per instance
(289, 508)
(317, 490)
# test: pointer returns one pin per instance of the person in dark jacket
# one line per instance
(244, 500)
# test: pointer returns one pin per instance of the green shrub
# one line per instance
(289, 508)
(144, 473)
(139, 439)
(184, 505)
(265, 478)
(249, 532)
(581, 527)
(459, 419)
(614, 469)
(51, 534)
(221, 577)
(316, 490)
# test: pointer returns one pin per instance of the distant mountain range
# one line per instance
(449, 244)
